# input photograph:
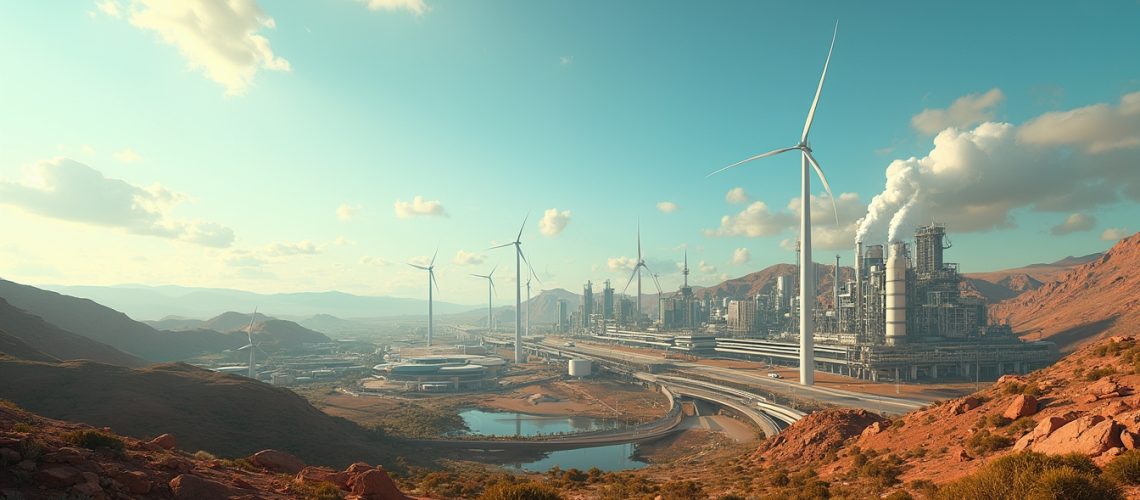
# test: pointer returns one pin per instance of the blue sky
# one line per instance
(271, 155)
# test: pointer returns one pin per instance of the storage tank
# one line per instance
(580, 368)
(896, 295)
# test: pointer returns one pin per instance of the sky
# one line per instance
(282, 146)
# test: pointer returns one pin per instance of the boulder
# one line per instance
(60, 476)
(165, 441)
(1022, 406)
(375, 484)
(199, 488)
(1103, 388)
(966, 404)
(874, 428)
(358, 467)
(1129, 439)
(1090, 435)
(310, 475)
(277, 461)
(135, 482)
(67, 455)
(1044, 428)
(91, 491)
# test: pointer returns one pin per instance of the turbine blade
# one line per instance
(478, 275)
(631, 276)
(639, 240)
(501, 246)
(757, 157)
(417, 267)
(432, 264)
(532, 273)
(249, 329)
(492, 273)
(519, 237)
(819, 172)
(432, 275)
(819, 89)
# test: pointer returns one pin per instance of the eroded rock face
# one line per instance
(965, 405)
(165, 441)
(1044, 428)
(312, 475)
(277, 461)
(375, 484)
(1091, 435)
(1021, 406)
(189, 486)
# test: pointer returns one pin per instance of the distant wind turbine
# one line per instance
(807, 356)
(535, 276)
(490, 289)
(519, 257)
(431, 281)
(250, 346)
(637, 272)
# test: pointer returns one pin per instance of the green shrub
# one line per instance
(95, 440)
(1068, 484)
(1124, 469)
(899, 495)
(682, 490)
(1100, 372)
(1021, 426)
(520, 491)
(23, 427)
(204, 455)
(983, 442)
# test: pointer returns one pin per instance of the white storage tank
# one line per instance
(896, 295)
(580, 368)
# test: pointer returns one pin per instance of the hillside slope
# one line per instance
(1092, 300)
(16, 348)
(224, 414)
(764, 282)
(56, 342)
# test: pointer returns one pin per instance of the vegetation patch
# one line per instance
(95, 440)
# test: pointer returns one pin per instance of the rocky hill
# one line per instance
(15, 348)
(226, 415)
(47, 458)
(1088, 403)
(764, 282)
(1094, 299)
(54, 342)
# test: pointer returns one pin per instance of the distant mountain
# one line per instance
(268, 332)
(16, 348)
(111, 327)
(54, 342)
(332, 325)
(1100, 297)
(996, 286)
(764, 282)
(225, 322)
(153, 302)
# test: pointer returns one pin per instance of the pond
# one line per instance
(607, 458)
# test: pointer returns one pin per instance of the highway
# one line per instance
(789, 389)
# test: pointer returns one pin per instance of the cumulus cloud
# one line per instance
(346, 211)
(221, 38)
(741, 256)
(128, 155)
(1093, 129)
(283, 249)
(706, 268)
(417, 7)
(973, 180)
(553, 221)
(374, 261)
(667, 207)
(65, 189)
(418, 207)
(110, 8)
(966, 111)
(736, 196)
(621, 263)
(1114, 234)
(243, 259)
(420, 260)
(465, 258)
(754, 221)
(1074, 223)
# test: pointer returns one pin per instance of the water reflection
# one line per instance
(607, 458)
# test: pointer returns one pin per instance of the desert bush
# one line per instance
(95, 440)
(983, 442)
(1021, 426)
(899, 495)
(204, 455)
(924, 486)
(682, 490)
(1099, 373)
(1016, 476)
(1066, 483)
(1124, 469)
(22, 427)
(520, 491)
(319, 491)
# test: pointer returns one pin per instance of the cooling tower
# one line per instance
(896, 295)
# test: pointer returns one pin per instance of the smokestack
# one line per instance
(836, 303)
(896, 294)
(858, 286)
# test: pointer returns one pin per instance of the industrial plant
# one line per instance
(900, 315)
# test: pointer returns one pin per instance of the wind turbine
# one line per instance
(250, 346)
(518, 288)
(535, 276)
(637, 272)
(807, 279)
(431, 280)
(490, 289)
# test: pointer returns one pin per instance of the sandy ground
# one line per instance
(736, 430)
(601, 398)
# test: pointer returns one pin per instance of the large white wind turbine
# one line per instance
(519, 257)
(535, 276)
(490, 289)
(430, 268)
(250, 346)
(807, 279)
(637, 272)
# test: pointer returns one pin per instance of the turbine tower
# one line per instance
(637, 272)
(250, 346)
(519, 257)
(490, 289)
(535, 276)
(807, 274)
(431, 280)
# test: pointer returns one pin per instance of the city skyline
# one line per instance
(306, 147)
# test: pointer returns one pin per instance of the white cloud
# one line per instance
(741, 256)
(566, 60)
(420, 260)
(417, 7)
(736, 196)
(341, 241)
(974, 180)
(706, 268)
(1114, 234)
(553, 221)
(346, 211)
(65, 189)
(110, 8)
(465, 258)
(621, 263)
(1074, 223)
(303, 247)
(219, 37)
(754, 221)
(244, 259)
(374, 261)
(1093, 129)
(825, 234)
(128, 155)
(966, 111)
(418, 207)
(667, 207)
